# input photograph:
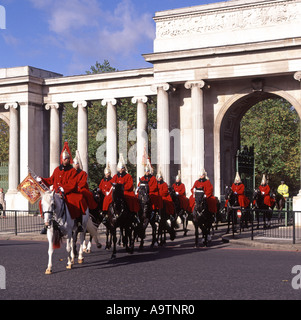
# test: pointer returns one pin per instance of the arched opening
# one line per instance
(272, 125)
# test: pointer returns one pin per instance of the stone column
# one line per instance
(111, 133)
(142, 137)
(54, 135)
(82, 132)
(297, 199)
(13, 146)
(198, 140)
(163, 139)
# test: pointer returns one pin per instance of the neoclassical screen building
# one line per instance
(210, 65)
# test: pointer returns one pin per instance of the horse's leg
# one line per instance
(196, 235)
(108, 239)
(50, 250)
(69, 248)
(114, 236)
(228, 218)
(80, 253)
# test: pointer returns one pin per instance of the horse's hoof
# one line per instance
(48, 271)
(87, 251)
(69, 266)
(113, 256)
(99, 245)
(80, 261)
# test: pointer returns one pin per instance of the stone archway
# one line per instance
(227, 129)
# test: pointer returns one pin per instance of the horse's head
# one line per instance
(98, 197)
(228, 192)
(231, 196)
(118, 196)
(200, 199)
(143, 192)
(48, 206)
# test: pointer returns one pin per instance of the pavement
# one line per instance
(243, 239)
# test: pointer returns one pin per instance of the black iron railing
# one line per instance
(14, 221)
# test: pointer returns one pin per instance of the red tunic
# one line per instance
(66, 177)
(167, 200)
(156, 200)
(240, 190)
(129, 195)
(105, 187)
(184, 201)
(208, 189)
(83, 188)
(265, 191)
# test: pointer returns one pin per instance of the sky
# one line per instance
(69, 36)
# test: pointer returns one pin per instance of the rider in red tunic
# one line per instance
(64, 180)
(180, 190)
(208, 189)
(265, 191)
(82, 182)
(156, 200)
(105, 187)
(239, 189)
(164, 193)
(122, 177)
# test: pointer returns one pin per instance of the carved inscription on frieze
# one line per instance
(239, 18)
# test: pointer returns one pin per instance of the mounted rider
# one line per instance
(123, 177)
(283, 189)
(155, 199)
(180, 191)
(105, 187)
(265, 192)
(64, 180)
(164, 194)
(239, 189)
(82, 183)
(204, 182)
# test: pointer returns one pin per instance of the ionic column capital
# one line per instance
(112, 101)
(297, 76)
(191, 84)
(49, 106)
(14, 105)
(77, 104)
(164, 86)
(141, 98)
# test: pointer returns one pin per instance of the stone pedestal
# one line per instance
(297, 208)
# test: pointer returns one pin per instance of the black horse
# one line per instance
(119, 216)
(260, 206)
(201, 217)
(146, 215)
(167, 224)
(232, 209)
(279, 202)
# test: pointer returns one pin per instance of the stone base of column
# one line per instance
(297, 207)
(16, 201)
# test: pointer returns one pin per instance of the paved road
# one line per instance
(175, 272)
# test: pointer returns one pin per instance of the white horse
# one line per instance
(92, 229)
(59, 223)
